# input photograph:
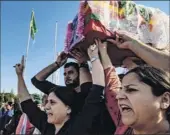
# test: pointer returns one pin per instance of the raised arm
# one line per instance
(112, 83)
(93, 103)
(36, 116)
(84, 72)
(39, 80)
(43, 74)
(23, 93)
(150, 55)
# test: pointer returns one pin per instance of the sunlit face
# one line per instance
(137, 104)
(56, 110)
(71, 76)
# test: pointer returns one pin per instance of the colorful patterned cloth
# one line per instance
(24, 125)
(150, 25)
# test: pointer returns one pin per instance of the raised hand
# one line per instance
(102, 46)
(62, 59)
(19, 68)
(93, 51)
(78, 55)
(123, 40)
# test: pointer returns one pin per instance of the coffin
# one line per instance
(99, 19)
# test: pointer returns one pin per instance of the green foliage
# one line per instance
(5, 97)
(36, 97)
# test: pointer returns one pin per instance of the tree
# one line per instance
(12, 91)
(36, 97)
(8, 97)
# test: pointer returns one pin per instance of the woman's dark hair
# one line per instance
(65, 95)
(121, 76)
(17, 106)
(158, 79)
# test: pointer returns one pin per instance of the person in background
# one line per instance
(2, 110)
(7, 115)
(24, 125)
(71, 78)
(10, 127)
(10, 109)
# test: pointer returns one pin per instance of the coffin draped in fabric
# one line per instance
(100, 19)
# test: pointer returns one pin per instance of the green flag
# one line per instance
(33, 26)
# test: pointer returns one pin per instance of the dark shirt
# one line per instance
(4, 120)
(102, 124)
(76, 125)
(12, 125)
(46, 86)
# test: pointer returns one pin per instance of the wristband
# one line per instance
(57, 64)
(84, 65)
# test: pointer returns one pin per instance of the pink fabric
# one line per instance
(80, 24)
(112, 86)
(22, 125)
(68, 37)
(75, 35)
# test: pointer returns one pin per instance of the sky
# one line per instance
(15, 19)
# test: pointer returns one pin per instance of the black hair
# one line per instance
(158, 79)
(73, 64)
(65, 95)
(10, 103)
(121, 76)
(17, 107)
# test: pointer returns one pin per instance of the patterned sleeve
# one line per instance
(112, 86)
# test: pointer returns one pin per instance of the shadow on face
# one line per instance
(71, 76)
(56, 110)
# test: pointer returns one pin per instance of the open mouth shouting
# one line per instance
(125, 109)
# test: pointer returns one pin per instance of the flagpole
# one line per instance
(28, 43)
(55, 45)
(55, 48)
(57, 73)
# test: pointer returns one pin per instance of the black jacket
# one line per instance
(10, 127)
(76, 125)
(102, 123)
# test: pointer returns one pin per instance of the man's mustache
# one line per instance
(68, 79)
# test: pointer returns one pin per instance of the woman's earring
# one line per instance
(166, 106)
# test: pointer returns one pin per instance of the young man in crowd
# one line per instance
(77, 78)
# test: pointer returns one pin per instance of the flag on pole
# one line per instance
(32, 32)
(33, 26)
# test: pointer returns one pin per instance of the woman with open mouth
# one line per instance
(141, 104)
(60, 118)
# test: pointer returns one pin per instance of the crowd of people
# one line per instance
(14, 121)
(97, 101)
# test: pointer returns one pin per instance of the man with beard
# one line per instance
(71, 78)
(77, 77)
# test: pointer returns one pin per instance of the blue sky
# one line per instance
(15, 18)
